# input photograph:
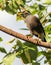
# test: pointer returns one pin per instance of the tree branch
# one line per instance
(25, 38)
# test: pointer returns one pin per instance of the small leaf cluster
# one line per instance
(28, 52)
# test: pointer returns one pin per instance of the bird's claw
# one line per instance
(29, 36)
(38, 40)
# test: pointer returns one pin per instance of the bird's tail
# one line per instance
(43, 38)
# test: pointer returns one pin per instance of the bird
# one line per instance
(35, 26)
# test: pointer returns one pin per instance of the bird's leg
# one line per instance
(38, 36)
(42, 36)
(37, 39)
(30, 35)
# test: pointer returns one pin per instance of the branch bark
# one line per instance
(25, 38)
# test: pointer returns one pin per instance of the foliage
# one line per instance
(10, 57)
(47, 2)
(1, 39)
(2, 50)
(28, 52)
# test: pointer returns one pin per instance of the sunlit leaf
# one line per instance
(47, 2)
(38, 0)
(1, 39)
(19, 18)
(20, 2)
(48, 29)
(15, 5)
(32, 9)
(2, 4)
(9, 59)
(48, 39)
(27, 56)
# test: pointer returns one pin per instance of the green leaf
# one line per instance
(2, 4)
(19, 43)
(43, 52)
(35, 63)
(41, 7)
(50, 14)
(11, 41)
(20, 2)
(24, 58)
(48, 29)
(48, 39)
(48, 32)
(14, 47)
(19, 16)
(2, 50)
(0, 0)
(47, 2)
(9, 59)
(9, 10)
(14, 4)
(39, 53)
(38, 0)
(28, 1)
(23, 29)
(48, 56)
(31, 9)
(29, 51)
(24, 1)
(27, 55)
(45, 61)
(1, 39)
(33, 53)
